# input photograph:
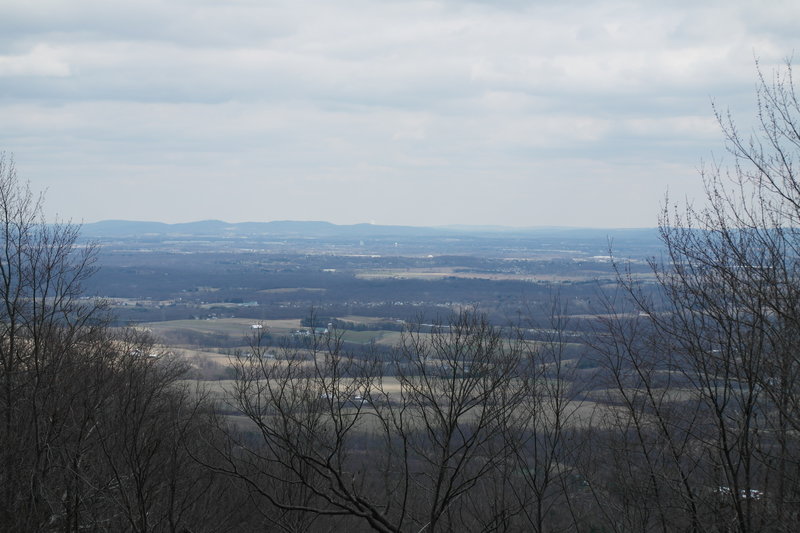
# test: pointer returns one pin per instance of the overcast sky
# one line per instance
(511, 112)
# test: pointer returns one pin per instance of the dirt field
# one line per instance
(230, 326)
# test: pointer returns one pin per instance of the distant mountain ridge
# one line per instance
(312, 229)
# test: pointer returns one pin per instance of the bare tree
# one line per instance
(726, 328)
(459, 388)
(146, 433)
(43, 322)
(304, 409)
(96, 433)
(399, 443)
(542, 433)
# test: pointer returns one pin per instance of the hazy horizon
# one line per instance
(443, 226)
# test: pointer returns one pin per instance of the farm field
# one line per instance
(242, 329)
(228, 326)
(577, 414)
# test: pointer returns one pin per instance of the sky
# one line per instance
(504, 112)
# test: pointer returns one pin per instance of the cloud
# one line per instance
(41, 60)
(461, 112)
